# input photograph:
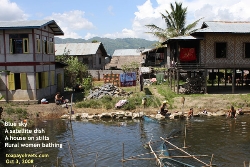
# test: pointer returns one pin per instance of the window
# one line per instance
(38, 41)
(85, 61)
(100, 60)
(52, 77)
(42, 80)
(51, 45)
(221, 50)
(45, 45)
(17, 81)
(19, 43)
(247, 50)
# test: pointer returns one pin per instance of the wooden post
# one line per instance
(211, 159)
(174, 78)
(178, 78)
(205, 81)
(71, 106)
(123, 152)
(233, 80)
(185, 137)
(73, 163)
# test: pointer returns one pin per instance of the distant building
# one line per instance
(91, 54)
(126, 57)
(27, 60)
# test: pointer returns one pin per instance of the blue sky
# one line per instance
(118, 18)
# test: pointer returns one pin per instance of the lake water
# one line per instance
(100, 143)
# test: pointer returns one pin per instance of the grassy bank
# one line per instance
(155, 94)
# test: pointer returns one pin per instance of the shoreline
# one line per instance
(215, 105)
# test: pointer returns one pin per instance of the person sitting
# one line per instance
(232, 112)
(204, 111)
(163, 110)
(190, 113)
(58, 98)
(240, 112)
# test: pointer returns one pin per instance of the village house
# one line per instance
(91, 54)
(27, 60)
(219, 51)
(122, 57)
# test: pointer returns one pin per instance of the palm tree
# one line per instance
(175, 22)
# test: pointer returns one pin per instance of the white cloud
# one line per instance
(72, 22)
(9, 11)
(89, 35)
(213, 10)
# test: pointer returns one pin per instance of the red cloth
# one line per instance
(187, 54)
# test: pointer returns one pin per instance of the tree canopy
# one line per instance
(75, 71)
(175, 20)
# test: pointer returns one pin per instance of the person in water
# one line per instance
(232, 112)
(190, 113)
(163, 110)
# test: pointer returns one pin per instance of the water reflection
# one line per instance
(100, 143)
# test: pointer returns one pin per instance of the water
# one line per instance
(100, 143)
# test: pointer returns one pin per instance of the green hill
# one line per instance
(112, 44)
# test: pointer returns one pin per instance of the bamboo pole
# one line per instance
(123, 152)
(96, 158)
(157, 159)
(183, 156)
(211, 159)
(130, 159)
(73, 163)
(71, 106)
(184, 146)
(184, 152)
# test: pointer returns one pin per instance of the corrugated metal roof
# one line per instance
(224, 27)
(77, 48)
(185, 37)
(128, 52)
(31, 24)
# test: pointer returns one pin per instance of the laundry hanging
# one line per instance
(187, 54)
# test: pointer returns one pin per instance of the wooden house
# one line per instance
(27, 60)
(218, 51)
(91, 54)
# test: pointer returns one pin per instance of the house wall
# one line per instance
(30, 63)
(235, 51)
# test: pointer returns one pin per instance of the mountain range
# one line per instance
(111, 45)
